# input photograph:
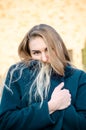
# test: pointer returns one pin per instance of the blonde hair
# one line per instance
(41, 84)
(58, 56)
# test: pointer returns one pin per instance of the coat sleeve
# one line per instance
(75, 115)
(13, 117)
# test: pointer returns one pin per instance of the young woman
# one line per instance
(43, 91)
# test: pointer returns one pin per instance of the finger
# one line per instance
(60, 86)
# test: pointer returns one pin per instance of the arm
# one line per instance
(60, 100)
(25, 118)
(57, 101)
(75, 115)
(13, 116)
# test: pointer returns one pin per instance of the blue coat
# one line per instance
(17, 114)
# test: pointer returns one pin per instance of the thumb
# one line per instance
(60, 86)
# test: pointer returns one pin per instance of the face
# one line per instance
(38, 50)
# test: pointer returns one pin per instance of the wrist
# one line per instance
(50, 107)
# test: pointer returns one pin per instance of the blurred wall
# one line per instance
(68, 17)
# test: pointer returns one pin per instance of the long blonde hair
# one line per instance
(58, 55)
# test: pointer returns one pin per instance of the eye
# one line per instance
(46, 49)
(36, 52)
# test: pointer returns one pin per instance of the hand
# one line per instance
(60, 99)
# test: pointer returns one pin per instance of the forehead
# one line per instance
(37, 43)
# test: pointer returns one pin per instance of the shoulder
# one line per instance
(16, 68)
(79, 72)
(72, 71)
(75, 75)
(23, 68)
(82, 75)
(26, 65)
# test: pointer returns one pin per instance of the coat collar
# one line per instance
(68, 70)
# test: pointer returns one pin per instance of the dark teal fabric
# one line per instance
(17, 114)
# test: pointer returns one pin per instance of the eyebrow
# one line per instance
(35, 50)
(38, 50)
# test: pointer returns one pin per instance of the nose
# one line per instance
(44, 57)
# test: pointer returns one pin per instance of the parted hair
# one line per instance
(58, 54)
(58, 58)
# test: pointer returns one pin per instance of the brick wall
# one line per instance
(18, 16)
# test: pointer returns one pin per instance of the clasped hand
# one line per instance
(60, 99)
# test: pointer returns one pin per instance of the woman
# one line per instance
(43, 91)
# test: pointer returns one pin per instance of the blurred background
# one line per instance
(68, 17)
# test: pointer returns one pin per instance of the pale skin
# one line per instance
(60, 98)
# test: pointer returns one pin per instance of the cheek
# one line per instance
(47, 58)
(47, 55)
(36, 57)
